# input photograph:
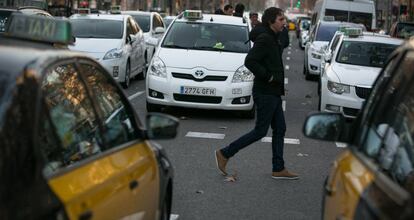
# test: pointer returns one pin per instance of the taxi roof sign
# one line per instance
(39, 28)
(116, 9)
(193, 14)
(329, 18)
(351, 32)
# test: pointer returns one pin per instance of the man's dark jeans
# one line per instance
(269, 112)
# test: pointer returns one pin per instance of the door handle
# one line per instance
(133, 184)
(86, 215)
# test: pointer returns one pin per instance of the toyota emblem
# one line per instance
(199, 73)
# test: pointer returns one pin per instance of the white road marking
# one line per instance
(205, 135)
(284, 105)
(340, 145)
(287, 67)
(174, 217)
(287, 58)
(289, 52)
(286, 80)
(135, 95)
(287, 140)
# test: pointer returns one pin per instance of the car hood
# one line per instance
(356, 75)
(211, 60)
(95, 45)
(317, 45)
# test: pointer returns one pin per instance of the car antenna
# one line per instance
(211, 19)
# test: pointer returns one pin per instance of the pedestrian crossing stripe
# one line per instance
(286, 140)
(205, 135)
(340, 145)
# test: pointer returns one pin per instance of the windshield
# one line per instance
(4, 16)
(97, 28)
(364, 53)
(326, 32)
(143, 21)
(405, 30)
(207, 36)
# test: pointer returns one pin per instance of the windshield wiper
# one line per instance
(176, 46)
(212, 48)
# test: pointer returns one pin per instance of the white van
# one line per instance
(355, 11)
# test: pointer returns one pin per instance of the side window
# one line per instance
(383, 110)
(335, 42)
(72, 123)
(119, 126)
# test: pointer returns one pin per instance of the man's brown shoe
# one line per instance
(221, 162)
(285, 175)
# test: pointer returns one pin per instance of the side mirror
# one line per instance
(159, 30)
(161, 126)
(328, 56)
(324, 126)
(151, 41)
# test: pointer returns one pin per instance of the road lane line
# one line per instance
(287, 140)
(205, 135)
(340, 145)
(174, 217)
(287, 67)
(286, 80)
(289, 52)
(284, 105)
(135, 95)
(287, 58)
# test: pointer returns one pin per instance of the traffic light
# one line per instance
(298, 4)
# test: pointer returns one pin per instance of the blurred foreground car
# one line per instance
(402, 30)
(373, 178)
(71, 144)
(5, 13)
(349, 68)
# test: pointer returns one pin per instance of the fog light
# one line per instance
(333, 108)
(155, 94)
(115, 71)
(241, 100)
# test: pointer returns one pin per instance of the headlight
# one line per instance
(157, 68)
(316, 56)
(113, 54)
(242, 74)
(338, 88)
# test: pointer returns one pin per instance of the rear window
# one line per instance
(207, 36)
(4, 16)
(364, 53)
(326, 32)
(143, 21)
(97, 28)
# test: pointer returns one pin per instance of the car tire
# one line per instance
(127, 79)
(153, 107)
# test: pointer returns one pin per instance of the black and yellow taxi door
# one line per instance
(98, 168)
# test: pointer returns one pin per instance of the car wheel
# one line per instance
(153, 107)
(127, 79)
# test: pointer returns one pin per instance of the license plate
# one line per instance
(187, 90)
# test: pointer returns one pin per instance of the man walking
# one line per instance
(265, 62)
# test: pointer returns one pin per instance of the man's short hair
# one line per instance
(270, 15)
(227, 7)
(251, 14)
(239, 8)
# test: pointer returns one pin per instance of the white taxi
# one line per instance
(115, 41)
(351, 65)
(200, 64)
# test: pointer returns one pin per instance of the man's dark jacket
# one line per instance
(264, 60)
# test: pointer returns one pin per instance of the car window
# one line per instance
(143, 21)
(97, 28)
(116, 116)
(339, 15)
(72, 117)
(384, 110)
(335, 42)
(405, 30)
(361, 18)
(207, 36)
(364, 53)
(157, 22)
(326, 32)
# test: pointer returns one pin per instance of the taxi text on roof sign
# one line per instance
(351, 32)
(193, 14)
(39, 28)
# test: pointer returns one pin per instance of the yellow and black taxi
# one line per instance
(71, 144)
(374, 177)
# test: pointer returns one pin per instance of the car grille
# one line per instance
(362, 92)
(197, 98)
(206, 78)
(350, 111)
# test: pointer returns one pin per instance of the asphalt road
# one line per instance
(200, 192)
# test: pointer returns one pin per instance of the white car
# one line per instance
(352, 63)
(153, 26)
(320, 36)
(200, 64)
(115, 41)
